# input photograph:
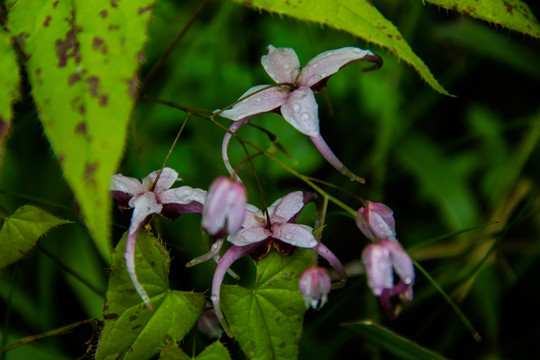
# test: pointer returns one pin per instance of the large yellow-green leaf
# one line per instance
(9, 84)
(21, 231)
(357, 17)
(512, 14)
(82, 59)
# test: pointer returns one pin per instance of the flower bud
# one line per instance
(224, 208)
(208, 324)
(315, 284)
(376, 221)
(381, 260)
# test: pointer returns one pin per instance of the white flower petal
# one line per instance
(281, 64)
(326, 64)
(250, 236)
(143, 206)
(262, 102)
(166, 179)
(283, 209)
(126, 185)
(182, 195)
(377, 262)
(301, 111)
(294, 234)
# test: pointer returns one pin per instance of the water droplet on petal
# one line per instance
(288, 236)
(213, 298)
(316, 65)
(305, 116)
(296, 107)
(258, 99)
(286, 66)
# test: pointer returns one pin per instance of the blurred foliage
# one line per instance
(461, 174)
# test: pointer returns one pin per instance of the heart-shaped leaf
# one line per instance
(132, 331)
(267, 320)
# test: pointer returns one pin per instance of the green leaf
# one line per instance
(267, 320)
(512, 14)
(388, 340)
(82, 59)
(20, 232)
(132, 331)
(214, 351)
(172, 351)
(359, 18)
(9, 84)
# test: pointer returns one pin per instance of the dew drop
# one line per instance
(286, 66)
(258, 99)
(288, 236)
(296, 107)
(305, 116)
(316, 65)
(213, 298)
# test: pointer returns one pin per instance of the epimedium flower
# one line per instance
(152, 196)
(293, 96)
(274, 228)
(315, 285)
(381, 260)
(224, 210)
(385, 256)
(376, 221)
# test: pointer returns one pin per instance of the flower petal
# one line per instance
(262, 102)
(294, 234)
(166, 180)
(123, 188)
(321, 67)
(401, 261)
(250, 236)
(376, 259)
(281, 64)
(283, 209)
(182, 200)
(143, 206)
(301, 111)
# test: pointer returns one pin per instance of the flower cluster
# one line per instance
(226, 215)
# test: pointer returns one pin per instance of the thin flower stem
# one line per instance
(32, 338)
(205, 114)
(71, 272)
(167, 52)
(171, 150)
(476, 336)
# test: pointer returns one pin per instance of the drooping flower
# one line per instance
(315, 285)
(381, 260)
(376, 221)
(276, 228)
(294, 95)
(150, 197)
(224, 210)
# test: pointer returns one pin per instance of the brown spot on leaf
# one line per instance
(4, 128)
(93, 85)
(136, 327)
(103, 14)
(398, 37)
(55, 4)
(37, 71)
(89, 173)
(103, 100)
(114, 27)
(133, 86)
(282, 345)
(509, 7)
(98, 44)
(61, 158)
(144, 9)
(68, 47)
(369, 2)
(132, 318)
(389, 35)
(114, 3)
(47, 21)
(110, 316)
(20, 39)
(81, 128)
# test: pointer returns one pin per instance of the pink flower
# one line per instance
(148, 198)
(224, 210)
(294, 97)
(315, 285)
(260, 232)
(376, 221)
(383, 259)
